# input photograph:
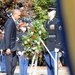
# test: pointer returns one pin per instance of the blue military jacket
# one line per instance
(20, 47)
(56, 41)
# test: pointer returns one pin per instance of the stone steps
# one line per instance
(42, 71)
(63, 71)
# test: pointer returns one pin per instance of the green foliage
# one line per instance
(0, 4)
(40, 8)
(32, 43)
(43, 3)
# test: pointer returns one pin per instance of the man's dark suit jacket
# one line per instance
(10, 35)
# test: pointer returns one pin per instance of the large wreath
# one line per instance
(32, 44)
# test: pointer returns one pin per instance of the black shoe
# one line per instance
(3, 71)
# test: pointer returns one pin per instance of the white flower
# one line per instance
(25, 42)
(39, 32)
(28, 39)
(37, 22)
(41, 26)
(32, 33)
(38, 42)
(35, 41)
(34, 48)
(28, 27)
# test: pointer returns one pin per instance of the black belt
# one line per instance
(51, 36)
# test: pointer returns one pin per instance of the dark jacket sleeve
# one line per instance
(8, 28)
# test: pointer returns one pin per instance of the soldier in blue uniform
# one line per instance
(53, 41)
(3, 66)
(23, 60)
(0, 50)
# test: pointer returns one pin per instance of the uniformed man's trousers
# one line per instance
(50, 63)
(23, 63)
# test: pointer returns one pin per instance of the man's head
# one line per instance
(51, 11)
(22, 27)
(16, 13)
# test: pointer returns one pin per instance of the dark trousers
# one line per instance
(11, 61)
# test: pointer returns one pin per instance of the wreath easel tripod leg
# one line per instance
(33, 67)
(55, 60)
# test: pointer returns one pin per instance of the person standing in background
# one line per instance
(0, 49)
(23, 60)
(52, 41)
(2, 56)
(10, 42)
(3, 66)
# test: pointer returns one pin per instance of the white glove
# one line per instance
(56, 49)
(23, 52)
(20, 53)
(17, 39)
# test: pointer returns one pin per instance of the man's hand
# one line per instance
(8, 51)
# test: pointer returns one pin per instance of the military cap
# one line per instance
(51, 8)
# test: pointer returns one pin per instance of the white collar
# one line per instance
(13, 19)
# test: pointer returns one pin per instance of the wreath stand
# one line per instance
(33, 67)
(34, 62)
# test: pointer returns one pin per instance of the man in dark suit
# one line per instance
(10, 42)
